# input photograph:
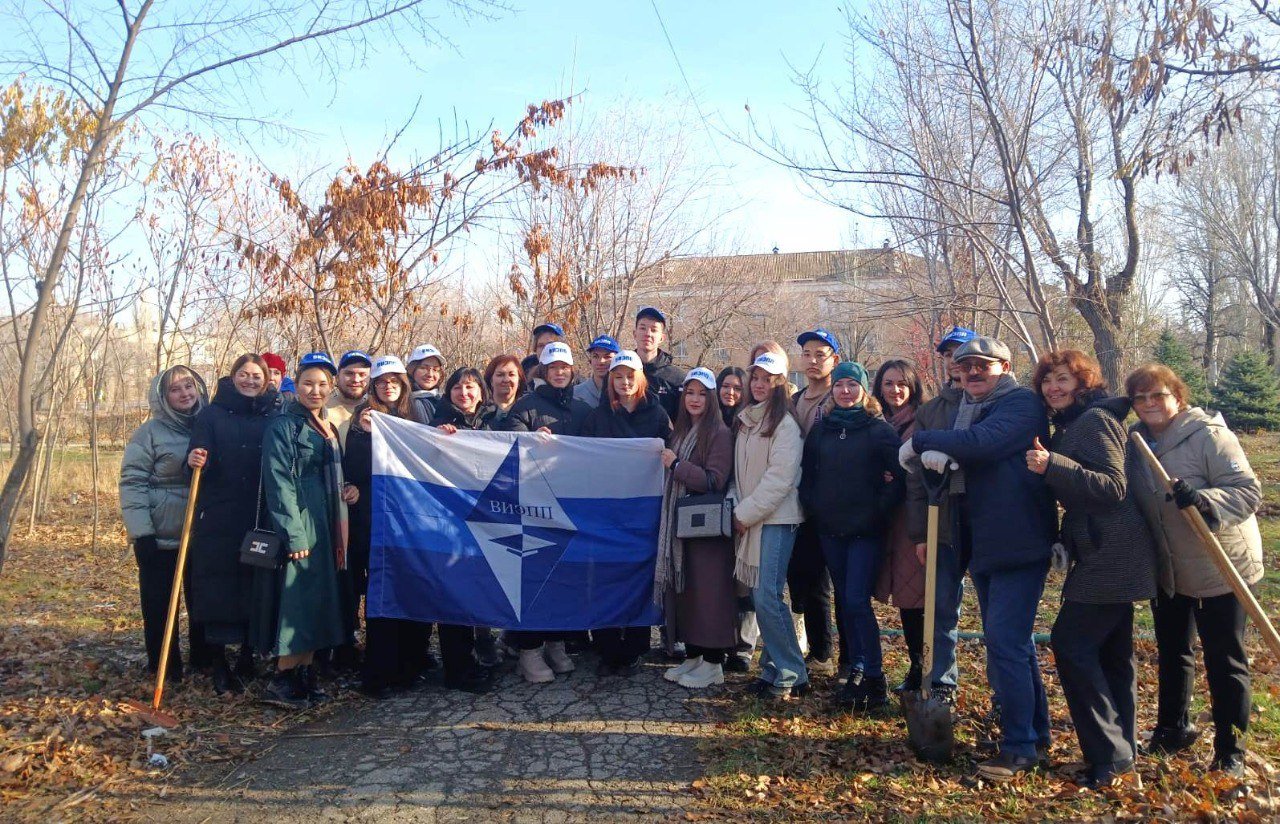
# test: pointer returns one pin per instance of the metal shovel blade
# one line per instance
(929, 727)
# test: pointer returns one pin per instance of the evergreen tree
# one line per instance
(1174, 354)
(1248, 395)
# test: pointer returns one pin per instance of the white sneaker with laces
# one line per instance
(674, 673)
(702, 676)
(557, 658)
(534, 668)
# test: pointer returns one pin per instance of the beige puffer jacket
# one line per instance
(1201, 450)
(767, 471)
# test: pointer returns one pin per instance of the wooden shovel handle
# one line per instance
(1214, 549)
(171, 622)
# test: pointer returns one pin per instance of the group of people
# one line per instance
(829, 483)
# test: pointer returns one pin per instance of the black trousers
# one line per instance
(621, 645)
(395, 651)
(913, 634)
(812, 594)
(1093, 648)
(709, 654)
(155, 584)
(457, 650)
(525, 640)
(1219, 621)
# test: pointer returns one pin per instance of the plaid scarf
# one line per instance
(668, 572)
(334, 483)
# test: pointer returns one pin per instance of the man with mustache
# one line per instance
(1004, 518)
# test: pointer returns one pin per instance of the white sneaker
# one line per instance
(802, 636)
(675, 673)
(557, 658)
(702, 676)
(534, 668)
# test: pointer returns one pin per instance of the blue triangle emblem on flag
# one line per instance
(521, 529)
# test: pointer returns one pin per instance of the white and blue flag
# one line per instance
(517, 531)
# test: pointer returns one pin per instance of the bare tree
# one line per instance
(123, 63)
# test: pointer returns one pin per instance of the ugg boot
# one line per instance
(557, 658)
(533, 667)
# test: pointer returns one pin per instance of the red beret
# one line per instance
(275, 362)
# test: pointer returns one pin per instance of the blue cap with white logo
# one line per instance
(314, 359)
(353, 357)
(555, 328)
(605, 343)
(822, 335)
(702, 375)
(652, 312)
(959, 335)
(626, 357)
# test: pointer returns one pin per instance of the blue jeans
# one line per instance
(950, 592)
(1008, 599)
(781, 663)
(853, 563)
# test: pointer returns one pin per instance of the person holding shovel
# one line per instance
(1111, 557)
(1004, 514)
(1211, 474)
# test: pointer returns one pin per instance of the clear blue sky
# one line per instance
(733, 53)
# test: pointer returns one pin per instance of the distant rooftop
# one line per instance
(781, 267)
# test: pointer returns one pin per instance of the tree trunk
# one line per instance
(1106, 333)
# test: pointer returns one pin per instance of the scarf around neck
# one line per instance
(333, 483)
(969, 411)
(668, 573)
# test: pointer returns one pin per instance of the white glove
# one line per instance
(1061, 560)
(907, 456)
(937, 461)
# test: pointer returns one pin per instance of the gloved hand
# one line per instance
(1061, 560)
(1184, 495)
(937, 461)
(145, 544)
(907, 456)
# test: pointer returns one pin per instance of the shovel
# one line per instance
(171, 622)
(930, 730)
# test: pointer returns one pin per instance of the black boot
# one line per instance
(286, 690)
(1170, 740)
(911, 682)
(875, 692)
(310, 681)
(224, 681)
(487, 648)
(852, 694)
(245, 669)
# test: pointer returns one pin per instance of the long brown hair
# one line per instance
(261, 364)
(705, 424)
(777, 404)
(403, 407)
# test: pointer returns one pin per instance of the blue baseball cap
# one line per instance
(959, 335)
(652, 312)
(606, 343)
(354, 356)
(548, 327)
(819, 334)
(314, 359)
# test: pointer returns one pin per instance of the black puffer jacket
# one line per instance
(842, 486)
(1113, 555)
(231, 428)
(556, 409)
(664, 380)
(481, 419)
(649, 420)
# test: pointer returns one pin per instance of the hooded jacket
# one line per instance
(1113, 556)
(842, 486)
(665, 380)
(556, 409)
(1200, 449)
(153, 475)
(587, 391)
(649, 420)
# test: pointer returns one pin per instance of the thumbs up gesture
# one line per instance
(1037, 457)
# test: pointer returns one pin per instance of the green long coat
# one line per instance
(298, 608)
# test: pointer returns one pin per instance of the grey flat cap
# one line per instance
(985, 348)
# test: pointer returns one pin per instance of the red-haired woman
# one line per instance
(628, 410)
(1213, 475)
(1111, 557)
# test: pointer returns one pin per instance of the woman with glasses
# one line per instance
(1213, 475)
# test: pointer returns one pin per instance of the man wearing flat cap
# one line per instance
(1004, 517)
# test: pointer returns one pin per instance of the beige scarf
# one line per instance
(746, 549)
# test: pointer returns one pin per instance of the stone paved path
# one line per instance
(580, 749)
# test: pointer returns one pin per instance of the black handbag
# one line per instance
(704, 514)
(261, 547)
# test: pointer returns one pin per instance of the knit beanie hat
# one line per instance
(275, 362)
(851, 369)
